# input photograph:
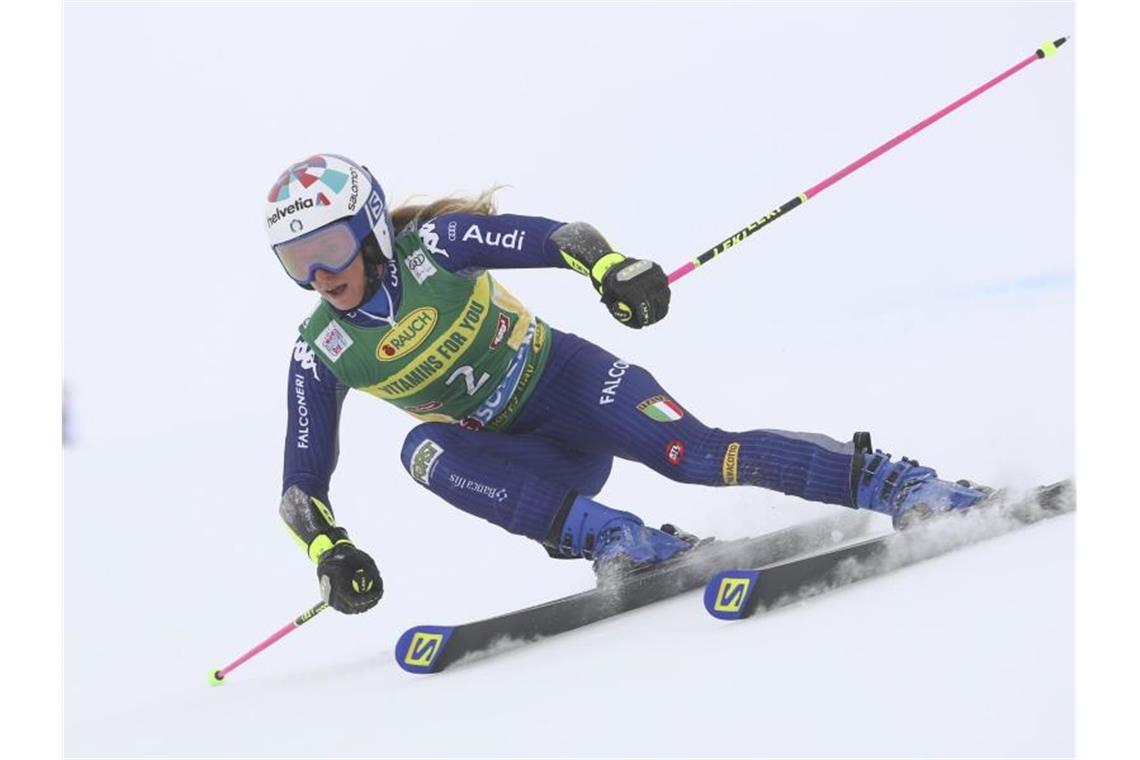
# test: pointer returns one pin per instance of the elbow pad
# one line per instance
(311, 523)
(586, 251)
(635, 291)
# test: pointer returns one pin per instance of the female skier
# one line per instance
(520, 422)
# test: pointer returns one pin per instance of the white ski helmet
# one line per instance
(324, 211)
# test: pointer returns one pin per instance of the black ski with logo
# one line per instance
(791, 563)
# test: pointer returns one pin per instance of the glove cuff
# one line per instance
(324, 542)
(603, 265)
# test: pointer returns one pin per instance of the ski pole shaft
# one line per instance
(1047, 49)
(217, 676)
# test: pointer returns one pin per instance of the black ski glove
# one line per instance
(636, 291)
(350, 582)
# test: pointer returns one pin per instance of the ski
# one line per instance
(740, 593)
(432, 648)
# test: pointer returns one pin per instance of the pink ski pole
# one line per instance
(216, 676)
(1047, 49)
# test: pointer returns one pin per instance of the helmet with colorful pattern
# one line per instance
(322, 213)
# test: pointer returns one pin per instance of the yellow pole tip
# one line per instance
(1049, 49)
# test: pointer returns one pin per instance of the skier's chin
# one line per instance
(343, 297)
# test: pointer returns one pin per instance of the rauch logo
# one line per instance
(408, 333)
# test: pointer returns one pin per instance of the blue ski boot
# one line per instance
(618, 542)
(905, 490)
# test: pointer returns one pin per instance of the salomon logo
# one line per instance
(423, 649)
(731, 594)
(374, 208)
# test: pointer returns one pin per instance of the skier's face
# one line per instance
(344, 290)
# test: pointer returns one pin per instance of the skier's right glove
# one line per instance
(350, 581)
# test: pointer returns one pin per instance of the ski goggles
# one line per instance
(332, 248)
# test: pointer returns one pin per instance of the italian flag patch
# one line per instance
(661, 408)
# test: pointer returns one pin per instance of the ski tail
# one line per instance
(420, 649)
(736, 594)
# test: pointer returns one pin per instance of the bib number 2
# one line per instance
(468, 375)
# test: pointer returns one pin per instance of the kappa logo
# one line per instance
(430, 238)
(333, 341)
(423, 649)
(423, 460)
(675, 451)
(408, 333)
(303, 355)
(731, 594)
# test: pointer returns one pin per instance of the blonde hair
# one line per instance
(483, 203)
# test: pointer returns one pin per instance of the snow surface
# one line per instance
(927, 298)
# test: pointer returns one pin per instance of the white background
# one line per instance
(933, 306)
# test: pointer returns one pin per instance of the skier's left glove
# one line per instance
(636, 291)
(350, 581)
